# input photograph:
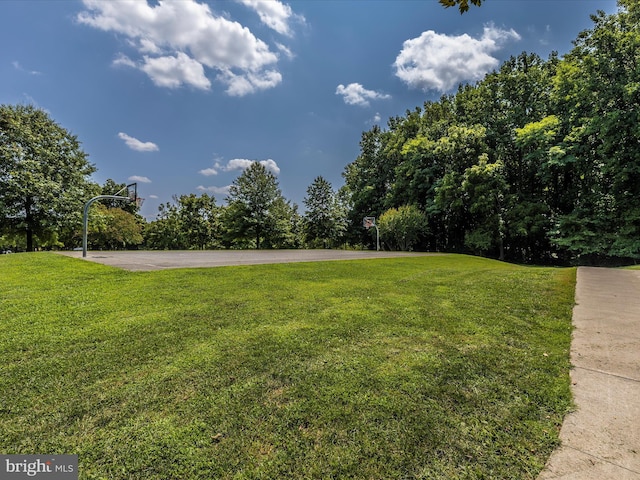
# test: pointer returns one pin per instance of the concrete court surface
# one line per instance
(139, 260)
(601, 438)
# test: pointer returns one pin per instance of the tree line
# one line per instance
(539, 162)
(256, 215)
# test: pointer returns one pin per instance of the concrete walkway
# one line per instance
(601, 439)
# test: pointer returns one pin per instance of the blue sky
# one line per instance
(181, 95)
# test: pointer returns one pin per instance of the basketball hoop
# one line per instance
(132, 196)
(369, 222)
(132, 192)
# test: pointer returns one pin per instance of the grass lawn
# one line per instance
(425, 367)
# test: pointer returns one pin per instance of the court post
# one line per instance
(369, 222)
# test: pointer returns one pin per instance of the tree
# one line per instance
(484, 187)
(164, 232)
(252, 199)
(284, 226)
(43, 174)
(597, 92)
(198, 219)
(325, 219)
(113, 228)
(401, 228)
(463, 5)
(191, 222)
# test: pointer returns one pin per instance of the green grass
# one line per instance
(427, 367)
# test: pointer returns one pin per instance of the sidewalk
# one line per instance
(601, 438)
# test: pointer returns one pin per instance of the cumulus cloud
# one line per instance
(243, 164)
(177, 41)
(241, 85)
(172, 71)
(135, 144)
(140, 179)
(275, 15)
(440, 62)
(356, 94)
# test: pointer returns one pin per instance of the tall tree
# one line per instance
(43, 174)
(325, 220)
(284, 226)
(251, 201)
(190, 222)
(598, 96)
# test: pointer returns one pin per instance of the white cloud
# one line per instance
(176, 41)
(155, 197)
(356, 94)
(138, 178)
(124, 61)
(214, 190)
(243, 164)
(240, 85)
(135, 144)
(173, 72)
(207, 172)
(440, 62)
(273, 14)
(286, 50)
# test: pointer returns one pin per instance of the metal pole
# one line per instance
(85, 217)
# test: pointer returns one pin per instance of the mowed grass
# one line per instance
(426, 367)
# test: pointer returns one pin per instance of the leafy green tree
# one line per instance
(198, 219)
(420, 167)
(284, 226)
(164, 233)
(367, 178)
(43, 175)
(252, 201)
(191, 222)
(597, 90)
(401, 228)
(113, 228)
(325, 217)
(370, 179)
(460, 149)
(516, 95)
(485, 188)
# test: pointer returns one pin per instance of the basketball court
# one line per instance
(137, 261)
